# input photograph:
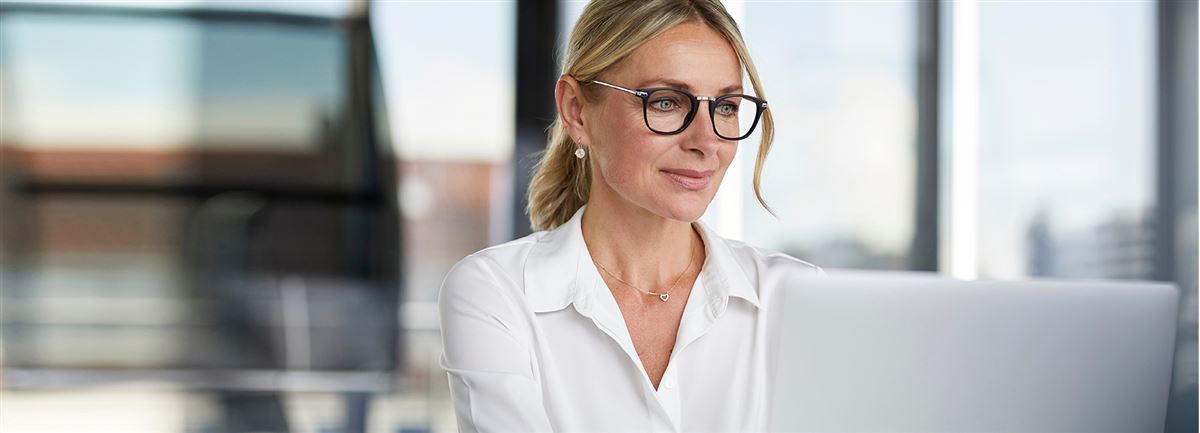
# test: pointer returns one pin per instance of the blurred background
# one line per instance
(235, 216)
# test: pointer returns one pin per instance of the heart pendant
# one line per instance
(664, 297)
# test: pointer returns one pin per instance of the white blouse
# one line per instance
(535, 341)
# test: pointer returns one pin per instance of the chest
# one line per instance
(712, 382)
(653, 324)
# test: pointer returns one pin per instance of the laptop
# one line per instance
(892, 352)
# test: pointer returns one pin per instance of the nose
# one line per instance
(700, 136)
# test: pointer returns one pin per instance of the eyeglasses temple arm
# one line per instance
(630, 91)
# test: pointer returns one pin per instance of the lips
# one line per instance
(691, 180)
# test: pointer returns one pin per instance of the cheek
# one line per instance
(628, 160)
(725, 154)
(727, 151)
(619, 159)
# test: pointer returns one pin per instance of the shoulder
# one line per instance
(768, 260)
(771, 272)
(490, 278)
(504, 259)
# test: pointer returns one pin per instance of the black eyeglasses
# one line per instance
(669, 111)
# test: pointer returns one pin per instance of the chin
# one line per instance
(684, 208)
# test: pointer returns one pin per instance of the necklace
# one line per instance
(661, 295)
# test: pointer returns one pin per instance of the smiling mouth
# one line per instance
(689, 180)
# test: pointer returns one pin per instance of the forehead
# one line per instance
(690, 53)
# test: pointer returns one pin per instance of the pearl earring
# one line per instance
(580, 153)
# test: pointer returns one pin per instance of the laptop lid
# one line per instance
(889, 351)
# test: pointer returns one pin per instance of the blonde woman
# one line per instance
(625, 313)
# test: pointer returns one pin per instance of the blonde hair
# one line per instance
(607, 32)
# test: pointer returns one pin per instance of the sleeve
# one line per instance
(488, 362)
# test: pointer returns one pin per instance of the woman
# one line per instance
(626, 313)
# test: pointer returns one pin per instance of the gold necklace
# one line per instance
(661, 295)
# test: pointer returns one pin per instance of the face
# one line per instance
(673, 176)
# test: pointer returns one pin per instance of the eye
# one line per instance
(663, 104)
(727, 109)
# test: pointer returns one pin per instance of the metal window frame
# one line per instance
(1176, 193)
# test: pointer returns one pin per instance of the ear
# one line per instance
(568, 95)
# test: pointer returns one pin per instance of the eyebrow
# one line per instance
(685, 86)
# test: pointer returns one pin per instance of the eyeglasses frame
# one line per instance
(644, 94)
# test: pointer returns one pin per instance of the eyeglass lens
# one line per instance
(667, 111)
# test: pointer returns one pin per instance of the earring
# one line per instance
(580, 153)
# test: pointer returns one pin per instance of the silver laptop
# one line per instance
(894, 352)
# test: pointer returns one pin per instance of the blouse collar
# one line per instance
(559, 271)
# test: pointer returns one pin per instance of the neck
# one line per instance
(644, 248)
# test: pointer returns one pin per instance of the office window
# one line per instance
(449, 76)
(1067, 139)
(842, 172)
(451, 100)
(136, 159)
(187, 199)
